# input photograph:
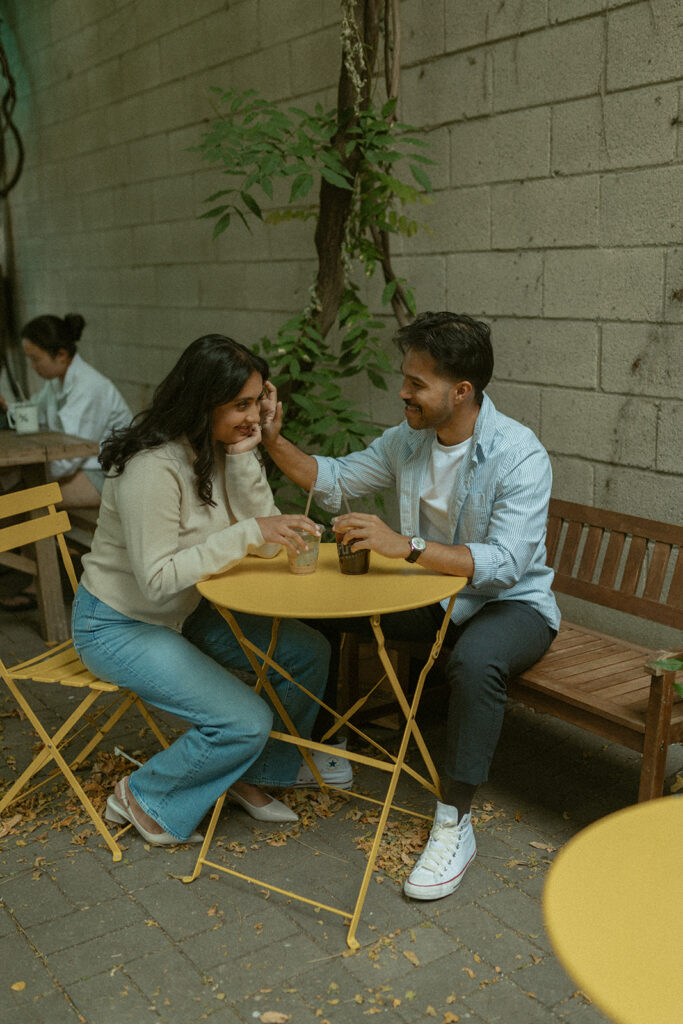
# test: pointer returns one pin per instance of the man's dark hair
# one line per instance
(211, 372)
(459, 345)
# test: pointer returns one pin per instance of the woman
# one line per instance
(75, 399)
(186, 496)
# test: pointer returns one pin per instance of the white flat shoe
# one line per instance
(119, 810)
(275, 811)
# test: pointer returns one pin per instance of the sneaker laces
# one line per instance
(443, 841)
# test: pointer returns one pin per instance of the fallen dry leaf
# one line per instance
(450, 1018)
(274, 1017)
(19, 986)
(543, 846)
(409, 955)
(8, 824)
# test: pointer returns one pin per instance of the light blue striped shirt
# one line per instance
(498, 507)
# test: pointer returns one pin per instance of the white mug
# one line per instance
(23, 417)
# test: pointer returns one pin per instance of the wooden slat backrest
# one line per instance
(32, 530)
(17, 503)
(631, 554)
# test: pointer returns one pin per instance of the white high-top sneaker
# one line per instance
(449, 852)
(334, 769)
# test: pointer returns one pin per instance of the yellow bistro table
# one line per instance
(613, 906)
(266, 587)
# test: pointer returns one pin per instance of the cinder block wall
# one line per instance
(556, 125)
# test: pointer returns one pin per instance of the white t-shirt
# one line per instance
(437, 486)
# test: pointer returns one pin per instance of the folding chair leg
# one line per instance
(51, 751)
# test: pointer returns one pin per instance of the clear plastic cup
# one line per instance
(301, 563)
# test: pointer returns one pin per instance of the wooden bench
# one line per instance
(596, 681)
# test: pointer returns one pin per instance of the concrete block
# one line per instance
(615, 429)
(673, 290)
(457, 219)
(288, 19)
(613, 284)
(642, 359)
(138, 284)
(643, 44)
(424, 275)
(229, 32)
(190, 242)
(181, 51)
(639, 493)
(151, 244)
(171, 106)
(504, 1000)
(103, 83)
(423, 31)
(670, 438)
(450, 88)
(642, 207)
(556, 212)
(125, 120)
(172, 198)
(315, 60)
(116, 34)
(178, 286)
(549, 66)
(134, 203)
(627, 129)
(181, 157)
(261, 286)
(64, 18)
(546, 352)
(270, 73)
(148, 158)
(501, 148)
(469, 24)
(140, 69)
(97, 209)
(116, 247)
(495, 283)
(572, 479)
(520, 401)
(568, 10)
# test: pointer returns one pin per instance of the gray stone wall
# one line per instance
(556, 125)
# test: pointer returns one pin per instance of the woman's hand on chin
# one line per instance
(247, 445)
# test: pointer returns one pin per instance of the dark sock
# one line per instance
(458, 794)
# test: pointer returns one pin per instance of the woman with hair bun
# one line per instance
(75, 399)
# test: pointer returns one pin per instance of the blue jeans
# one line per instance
(188, 675)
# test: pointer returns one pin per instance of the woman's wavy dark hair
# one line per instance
(210, 372)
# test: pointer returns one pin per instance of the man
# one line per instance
(473, 488)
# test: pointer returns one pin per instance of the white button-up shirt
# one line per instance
(86, 404)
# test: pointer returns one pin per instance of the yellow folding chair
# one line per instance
(38, 520)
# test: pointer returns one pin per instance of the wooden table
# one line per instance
(613, 906)
(32, 453)
(266, 587)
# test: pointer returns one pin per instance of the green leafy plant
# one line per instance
(671, 665)
(354, 172)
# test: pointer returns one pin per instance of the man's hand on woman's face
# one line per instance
(271, 413)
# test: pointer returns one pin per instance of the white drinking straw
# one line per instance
(310, 498)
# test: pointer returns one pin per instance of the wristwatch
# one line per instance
(417, 546)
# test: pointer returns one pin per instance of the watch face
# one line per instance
(418, 543)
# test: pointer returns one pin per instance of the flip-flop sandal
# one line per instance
(18, 603)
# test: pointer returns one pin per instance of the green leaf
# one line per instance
(420, 177)
(221, 225)
(388, 292)
(251, 204)
(389, 107)
(301, 186)
(335, 179)
(669, 664)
